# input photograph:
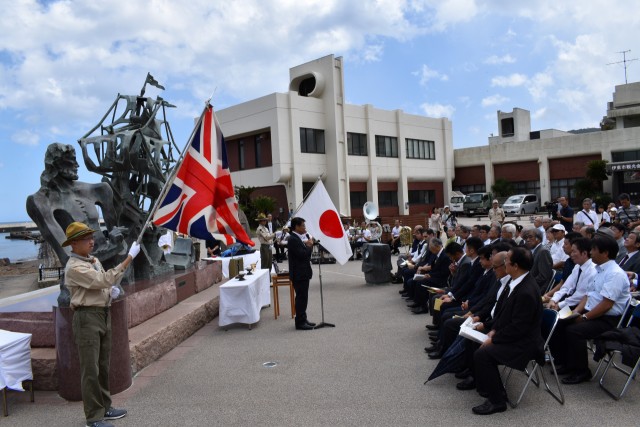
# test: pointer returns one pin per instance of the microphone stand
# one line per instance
(322, 324)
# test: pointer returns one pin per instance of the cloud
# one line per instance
(438, 110)
(538, 85)
(540, 113)
(494, 100)
(512, 80)
(499, 60)
(426, 74)
(452, 12)
(25, 137)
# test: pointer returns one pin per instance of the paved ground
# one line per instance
(368, 370)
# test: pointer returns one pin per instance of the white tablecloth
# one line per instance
(241, 301)
(248, 260)
(15, 359)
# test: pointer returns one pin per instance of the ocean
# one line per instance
(17, 250)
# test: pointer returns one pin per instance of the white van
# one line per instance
(521, 204)
(456, 202)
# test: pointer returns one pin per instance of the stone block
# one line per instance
(39, 324)
(207, 274)
(149, 302)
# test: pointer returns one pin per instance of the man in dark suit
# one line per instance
(299, 248)
(631, 260)
(542, 269)
(436, 277)
(514, 336)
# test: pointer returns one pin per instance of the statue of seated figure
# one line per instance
(62, 199)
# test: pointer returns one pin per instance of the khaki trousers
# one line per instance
(92, 332)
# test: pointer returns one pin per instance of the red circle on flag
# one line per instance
(331, 225)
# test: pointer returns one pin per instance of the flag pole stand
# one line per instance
(322, 324)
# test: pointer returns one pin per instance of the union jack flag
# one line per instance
(201, 202)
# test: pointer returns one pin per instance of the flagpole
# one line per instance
(169, 181)
(305, 197)
(322, 323)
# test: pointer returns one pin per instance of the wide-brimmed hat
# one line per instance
(75, 231)
(558, 227)
(261, 217)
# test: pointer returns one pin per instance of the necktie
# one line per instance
(626, 257)
(577, 281)
(501, 300)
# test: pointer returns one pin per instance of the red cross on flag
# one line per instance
(323, 223)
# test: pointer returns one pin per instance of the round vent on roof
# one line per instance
(311, 84)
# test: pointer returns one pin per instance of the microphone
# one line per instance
(314, 241)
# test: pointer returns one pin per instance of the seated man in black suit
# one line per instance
(463, 279)
(542, 270)
(514, 335)
(436, 277)
(452, 318)
(416, 248)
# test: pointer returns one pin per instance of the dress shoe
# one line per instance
(433, 327)
(561, 370)
(463, 374)
(435, 355)
(402, 291)
(420, 311)
(488, 408)
(469, 383)
(434, 347)
(577, 378)
(434, 333)
(310, 323)
(304, 327)
(434, 340)
(414, 305)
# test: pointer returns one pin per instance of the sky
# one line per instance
(62, 63)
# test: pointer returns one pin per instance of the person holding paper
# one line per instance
(577, 284)
(600, 311)
(514, 336)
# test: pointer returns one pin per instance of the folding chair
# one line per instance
(635, 314)
(551, 284)
(549, 322)
(625, 320)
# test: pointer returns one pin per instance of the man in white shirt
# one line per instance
(557, 251)
(577, 284)
(395, 237)
(600, 311)
(587, 216)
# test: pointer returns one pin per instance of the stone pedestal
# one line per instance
(120, 377)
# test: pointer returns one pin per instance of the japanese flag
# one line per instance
(323, 223)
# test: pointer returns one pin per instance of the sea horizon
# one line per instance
(18, 250)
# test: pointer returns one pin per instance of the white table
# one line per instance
(15, 359)
(241, 301)
(248, 259)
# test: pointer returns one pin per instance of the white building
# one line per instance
(283, 142)
(549, 162)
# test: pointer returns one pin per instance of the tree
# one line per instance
(502, 188)
(591, 185)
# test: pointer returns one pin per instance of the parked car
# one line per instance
(477, 203)
(456, 202)
(521, 204)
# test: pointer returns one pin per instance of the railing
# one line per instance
(49, 273)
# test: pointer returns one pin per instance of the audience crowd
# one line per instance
(502, 275)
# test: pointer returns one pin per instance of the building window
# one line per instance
(419, 149)
(388, 198)
(422, 197)
(241, 154)
(357, 144)
(473, 188)
(507, 127)
(563, 187)
(312, 140)
(625, 156)
(526, 187)
(258, 150)
(386, 146)
(357, 199)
